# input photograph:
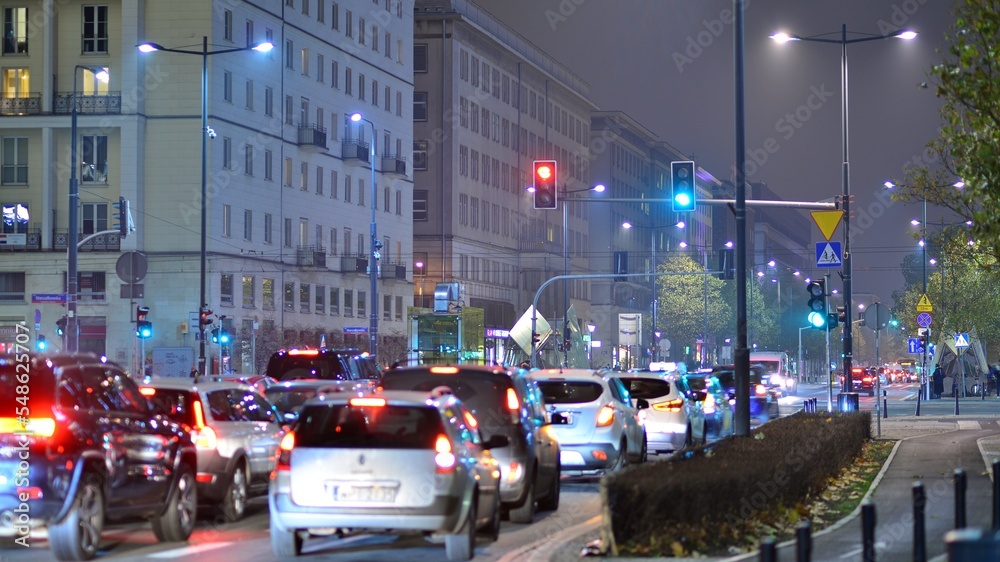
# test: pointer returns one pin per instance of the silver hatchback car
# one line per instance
(673, 420)
(394, 461)
(236, 433)
(599, 429)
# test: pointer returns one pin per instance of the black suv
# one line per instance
(504, 403)
(326, 364)
(79, 444)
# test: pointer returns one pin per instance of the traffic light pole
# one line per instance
(826, 367)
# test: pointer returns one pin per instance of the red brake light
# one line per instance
(760, 390)
(669, 406)
(32, 427)
(605, 416)
(513, 404)
(444, 459)
(367, 402)
(147, 391)
(285, 452)
(444, 370)
(304, 352)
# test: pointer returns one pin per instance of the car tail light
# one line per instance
(444, 370)
(605, 416)
(32, 427)
(669, 406)
(514, 472)
(709, 404)
(470, 420)
(867, 380)
(204, 436)
(147, 391)
(513, 404)
(444, 459)
(304, 352)
(367, 402)
(285, 452)
(760, 390)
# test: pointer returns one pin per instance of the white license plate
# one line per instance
(363, 493)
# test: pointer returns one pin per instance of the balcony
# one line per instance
(393, 164)
(393, 271)
(543, 246)
(105, 104)
(30, 104)
(312, 136)
(109, 242)
(22, 242)
(310, 256)
(355, 150)
(354, 264)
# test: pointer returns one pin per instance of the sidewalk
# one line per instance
(929, 451)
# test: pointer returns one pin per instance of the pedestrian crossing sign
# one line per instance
(828, 254)
(961, 340)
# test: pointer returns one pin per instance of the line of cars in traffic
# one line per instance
(337, 447)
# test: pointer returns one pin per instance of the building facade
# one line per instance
(487, 104)
(289, 194)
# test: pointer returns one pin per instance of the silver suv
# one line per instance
(236, 434)
(391, 461)
(509, 403)
(599, 430)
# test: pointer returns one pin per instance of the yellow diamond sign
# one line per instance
(827, 221)
(925, 304)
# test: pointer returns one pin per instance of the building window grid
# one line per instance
(267, 293)
(248, 225)
(249, 291)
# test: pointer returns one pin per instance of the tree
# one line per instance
(682, 303)
(968, 146)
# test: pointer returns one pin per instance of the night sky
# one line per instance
(669, 65)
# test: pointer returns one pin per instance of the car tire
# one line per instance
(234, 503)
(285, 544)
(525, 513)
(462, 545)
(78, 535)
(492, 530)
(551, 501)
(176, 523)
(644, 453)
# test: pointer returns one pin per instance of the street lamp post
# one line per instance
(590, 345)
(374, 251)
(843, 41)
(599, 188)
(72, 343)
(206, 132)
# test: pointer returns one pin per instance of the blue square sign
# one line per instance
(828, 254)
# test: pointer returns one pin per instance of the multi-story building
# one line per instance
(487, 103)
(289, 191)
(635, 165)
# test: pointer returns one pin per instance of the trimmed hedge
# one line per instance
(723, 492)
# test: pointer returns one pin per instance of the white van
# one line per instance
(780, 370)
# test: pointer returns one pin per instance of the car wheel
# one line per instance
(525, 513)
(234, 504)
(644, 454)
(176, 522)
(492, 530)
(285, 544)
(461, 545)
(78, 535)
(551, 501)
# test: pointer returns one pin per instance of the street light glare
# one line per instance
(263, 47)
(355, 117)
(680, 224)
(599, 188)
(783, 37)
(915, 222)
(889, 184)
(149, 47)
(907, 34)
(626, 225)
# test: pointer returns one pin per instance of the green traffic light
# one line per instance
(816, 319)
(683, 199)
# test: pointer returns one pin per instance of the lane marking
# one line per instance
(547, 546)
(188, 550)
(969, 424)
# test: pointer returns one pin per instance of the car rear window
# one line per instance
(386, 427)
(286, 399)
(483, 394)
(175, 404)
(727, 377)
(697, 383)
(38, 385)
(570, 392)
(647, 388)
(319, 365)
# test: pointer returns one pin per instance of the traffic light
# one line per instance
(143, 327)
(223, 336)
(817, 317)
(545, 183)
(205, 316)
(61, 327)
(40, 343)
(842, 314)
(215, 335)
(536, 338)
(121, 215)
(682, 187)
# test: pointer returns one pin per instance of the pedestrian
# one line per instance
(938, 381)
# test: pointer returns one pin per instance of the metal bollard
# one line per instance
(917, 413)
(919, 528)
(803, 541)
(768, 550)
(996, 493)
(885, 404)
(868, 531)
(956, 400)
(960, 486)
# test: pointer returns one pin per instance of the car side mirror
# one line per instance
(496, 441)
(558, 418)
(641, 403)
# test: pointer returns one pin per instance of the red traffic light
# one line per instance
(545, 184)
